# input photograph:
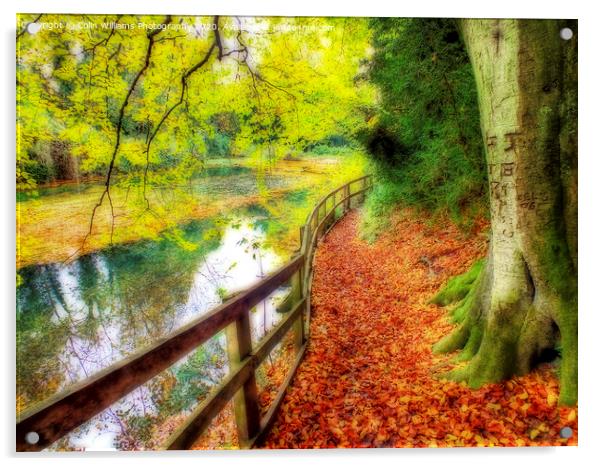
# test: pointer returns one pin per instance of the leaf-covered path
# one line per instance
(370, 379)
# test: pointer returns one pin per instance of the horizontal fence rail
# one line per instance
(60, 414)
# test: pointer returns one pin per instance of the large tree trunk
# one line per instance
(524, 303)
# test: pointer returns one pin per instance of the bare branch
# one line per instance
(107, 190)
(218, 39)
(103, 41)
(22, 31)
(184, 86)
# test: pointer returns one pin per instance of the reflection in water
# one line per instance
(75, 319)
(215, 181)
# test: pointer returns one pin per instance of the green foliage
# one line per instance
(222, 293)
(226, 170)
(196, 377)
(141, 428)
(218, 146)
(335, 144)
(323, 149)
(425, 140)
(36, 171)
(294, 90)
(221, 143)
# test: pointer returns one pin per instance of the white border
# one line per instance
(440, 8)
(590, 194)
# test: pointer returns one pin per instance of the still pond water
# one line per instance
(74, 319)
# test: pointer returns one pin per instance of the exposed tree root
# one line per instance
(502, 337)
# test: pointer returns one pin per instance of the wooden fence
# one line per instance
(52, 419)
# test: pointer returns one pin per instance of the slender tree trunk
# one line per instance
(524, 302)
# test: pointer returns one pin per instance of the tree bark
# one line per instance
(524, 303)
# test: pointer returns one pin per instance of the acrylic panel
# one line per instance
(295, 232)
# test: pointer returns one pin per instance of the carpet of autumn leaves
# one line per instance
(369, 377)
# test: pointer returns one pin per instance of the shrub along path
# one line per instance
(370, 379)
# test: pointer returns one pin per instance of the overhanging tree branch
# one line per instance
(22, 31)
(217, 43)
(107, 185)
(242, 53)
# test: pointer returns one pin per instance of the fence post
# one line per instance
(364, 186)
(333, 214)
(299, 325)
(347, 193)
(323, 208)
(246, 406)
(307, 276)
(301, 234)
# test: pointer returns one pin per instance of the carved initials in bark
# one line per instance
(526, 297)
